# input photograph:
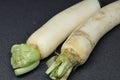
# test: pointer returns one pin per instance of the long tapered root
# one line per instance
(61, 67)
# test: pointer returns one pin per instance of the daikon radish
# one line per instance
(26, 57)
(77, 48)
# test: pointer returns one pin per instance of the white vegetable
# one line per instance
(26, 57)
(57, 29)
(84, 39)
(77, 48)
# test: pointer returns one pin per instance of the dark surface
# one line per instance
(20, 18)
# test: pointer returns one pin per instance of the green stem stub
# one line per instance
(24, 58)
(61, 68)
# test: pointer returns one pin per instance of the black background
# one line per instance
(20, 18)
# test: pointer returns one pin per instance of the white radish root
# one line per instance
(26, 57)
(77, 48)
(57, 29)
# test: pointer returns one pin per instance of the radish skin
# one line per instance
(47, 38)
(77, 48)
